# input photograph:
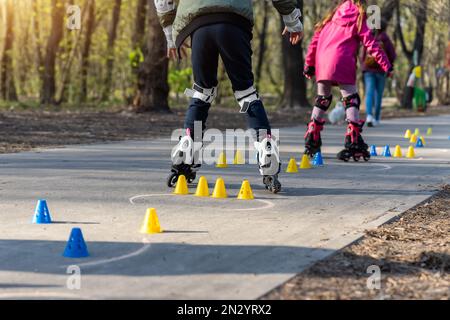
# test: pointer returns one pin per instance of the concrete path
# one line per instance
(211, 249)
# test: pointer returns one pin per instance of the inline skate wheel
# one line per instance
(172, 180)
(192, 178)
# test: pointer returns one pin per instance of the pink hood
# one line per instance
(334, 49)
(346, 15)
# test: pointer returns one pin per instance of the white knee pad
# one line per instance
(197, 92)
(246, 97)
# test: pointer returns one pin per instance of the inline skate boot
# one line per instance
(355, 147)
(269, 163)
(183, 161)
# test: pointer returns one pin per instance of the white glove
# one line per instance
(292, 21)
(169, 37)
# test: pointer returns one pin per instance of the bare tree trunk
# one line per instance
(112, 36)
(48, 82)
(139, 26)
(37, 40)
(8, 87)
(85, 53)
(152, 75)
(262, 43)
(294, 95)
(138, 45)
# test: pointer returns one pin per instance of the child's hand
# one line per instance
(172, 53)
(294, 37)
(309, 72)
(390, 73)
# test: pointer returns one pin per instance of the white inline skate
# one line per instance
(269, 163)
(183, 161)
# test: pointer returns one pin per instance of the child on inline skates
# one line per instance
(332, 58)
(222, 28)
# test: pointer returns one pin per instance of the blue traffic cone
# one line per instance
(42, 214)
(318, 160)
(419, 143)
(76, 247)
(373, 151)
(387, 152)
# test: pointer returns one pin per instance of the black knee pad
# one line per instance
(323, 102)
(353, 101)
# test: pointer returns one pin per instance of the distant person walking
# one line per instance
(375, 76)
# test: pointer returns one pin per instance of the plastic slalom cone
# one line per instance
(151, 222)
(76, 247)
(417, 132)
(408, 134)
(413, 139)
(292, 166)
(411, 153)
(429, 131)
(387, 152)
(202, 188)
(419, 143)
(373, 151)
(246, 192)
(222, 161)
(423, 141)
(398, 152)
(220, 191)
(238, 158)
(42, 214)
(318, 160)
(181, 188)
(305, 164)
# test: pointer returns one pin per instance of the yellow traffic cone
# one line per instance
(430, 131)
(238, 158)
(417, 132)
(292, 166)
(246, 192)
(222, 161)
(202, 188)
(408, 134)
(413, 139)
(220, 191)
(151, 222)
(181, 188)
(398, 152)
(305, 164)
(411, 153)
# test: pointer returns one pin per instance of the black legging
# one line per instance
(233, 44)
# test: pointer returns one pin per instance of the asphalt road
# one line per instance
(211, 249)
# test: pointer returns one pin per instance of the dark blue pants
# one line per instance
(233, 45)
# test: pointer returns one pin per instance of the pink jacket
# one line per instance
(333, 51)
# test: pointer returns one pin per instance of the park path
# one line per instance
(212, 249)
